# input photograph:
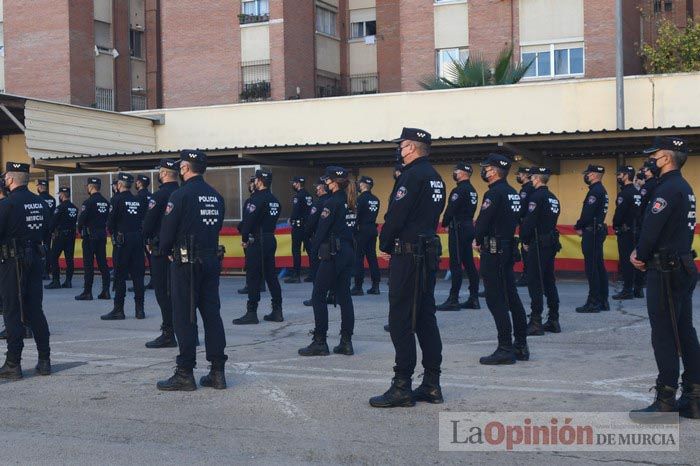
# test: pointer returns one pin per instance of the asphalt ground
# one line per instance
(101, 405)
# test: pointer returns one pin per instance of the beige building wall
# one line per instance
(451, 25)
(362, 57)
(550, 20)
(327, 54)
(358, 4)
(255, 42)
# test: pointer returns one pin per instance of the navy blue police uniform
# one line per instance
(525, 190)
(593, 230)
(62, 228)
(92, 225)
(366, 238)
(244, 214)
(409, 235)
(22, 230)
(160, 263)
(301, 205)
(145, 196)
(539, 233)
(51, 204)
(258, 235)
(459, 219)
(334, 249)
(495, 234)
(665, 246)
(626, 226)
(125, 223)
(189, 233)
(312, 224)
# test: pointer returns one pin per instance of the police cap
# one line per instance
(264, 174)
(626, 170)
(465, 167)
(496, 160)
(21, 167)
(125, 177)
(299, 179)
(367, 180)
(414, 134)
(194, 156)
(41, 182)
(169, 164)
(667, 143)
(146, 180)
(594, 169)
(334, 172)
(64, 190)
(539, 171)
(94, 180)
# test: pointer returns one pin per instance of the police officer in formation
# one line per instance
(366, 237)
(189, 234)
(42, 189)
(322, 195)
(160, 263)
(244, 214)
(540, 239)
(665, 250)
(409, 236)
(398, 169)
(626, 224)
(495, 234)
(593, 230)
(301, 205)
(144, 195)
(62, 230)
(124, 223)
(334, 249)
(459, 220)
(258, 239)
(22, 230)
(92, 225)
(523, 178)
(647, 190)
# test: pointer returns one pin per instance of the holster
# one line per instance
(118, 239)
(85, 233)
(154, 243)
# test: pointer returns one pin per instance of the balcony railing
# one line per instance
(250, 19)
(104, 98)
(138, 102)
(255, 82)
(364, 83)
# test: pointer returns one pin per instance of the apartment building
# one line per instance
(134, 54)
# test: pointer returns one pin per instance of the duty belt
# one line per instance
(600, 226)
(297, 223)
(183, 255)
(402, 248)
(670, 261)
(495, 245)
(622, 229)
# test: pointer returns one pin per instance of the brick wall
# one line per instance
(599, 34)
(154, 93)
(122, 69)
(299, 49)
(493, 26)
(201, 52)
(417, 42)
(388, 45)
(82, 52)
(277, 49)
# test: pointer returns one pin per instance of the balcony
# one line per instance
(138, 102)
(104, 98)
(363, 83)
(244, 18)
(255, 82)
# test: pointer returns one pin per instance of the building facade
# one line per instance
(135, 54)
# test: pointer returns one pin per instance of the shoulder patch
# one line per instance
(325, 212)
(295, 200)
(313, 210)
(251, 207)
(82, 208)
(531, 206)
(643, 191)
(486, 204)
(455, 196)
(591, 199)
(151, 203)
(400, 193)
(658, 205)
(169, 208)
(523, 194)
(620, 200)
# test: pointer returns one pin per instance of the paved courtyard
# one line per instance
(101, 405)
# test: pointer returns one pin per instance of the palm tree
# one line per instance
(476, 71)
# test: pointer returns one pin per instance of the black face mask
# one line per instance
(399, 157)
(654, 168)
(520, 180)
(586, 180)
(454, 177)
(620, 182)
(640, 176)
(483, 174)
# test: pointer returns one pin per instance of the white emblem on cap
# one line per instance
(677, 143)
(16, 165)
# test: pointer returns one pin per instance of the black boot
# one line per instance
(28, 334)
(664, 402)
(140, 313)
(374, 289)
(345, 346)
(450, 304)
(308, 303)
(116, 314)
(552, 326)
(502, 355)
(84, 296)
(308, 279)
(67, 284)
(182, 380)
(11, 370)
(43, 366)
(639, 293)
(216, 377)
(471, 303)
(482, 294)
(429, 390)
(387, 328)
(166, 339)
(534, 327)
(3, 334)
(54, 285)
(318, 347)
(522, 352)
(250, 317)
(105, 293)
(243, 290)
(591, 306)
(689, 401)
(149, 285)
(398, 395)
(293, 278)
(624, 294)
(522, 280)
(276, 314)
(357, 290)
(604, 305)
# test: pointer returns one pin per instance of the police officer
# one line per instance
(495, 234)
(398, 169)
(366, 237)
(540, 239)
(251, 191)
(322, 195)
(409, 237)
(625, 224)
(42, 188)
(301, 205)
(62, 228)
(526, 188)
(144, 195)
(190, 234)
(334, 249)
(647, 190)
(665, 250)
(593, 230)
(22, 225)
(124, 223)
(258, 238)
(160, 264)
(92, 224)
(459, 219)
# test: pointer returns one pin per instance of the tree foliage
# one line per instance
(675, 50)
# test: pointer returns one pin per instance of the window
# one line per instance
(255, 7)
(255, 84)
(136, 43)
(668, 6)
(364, 83)
(555, 62)
(446, 57)
(103, 35)
(325, 21)
(362, 29)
